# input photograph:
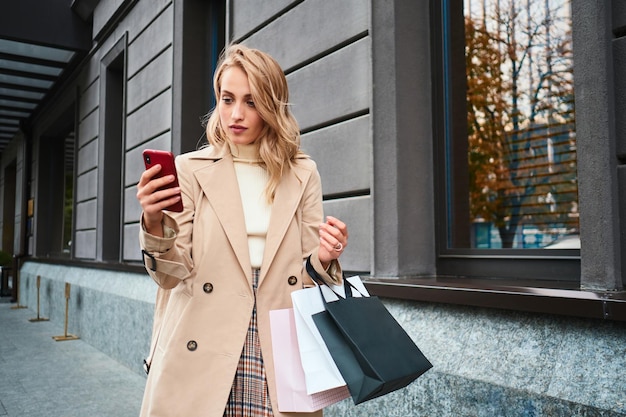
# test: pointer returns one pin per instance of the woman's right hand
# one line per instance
(154, 197)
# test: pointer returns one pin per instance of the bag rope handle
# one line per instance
(347, 285)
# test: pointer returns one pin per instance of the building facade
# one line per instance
(378, 88)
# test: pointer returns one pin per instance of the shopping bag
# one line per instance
(290, 384)
(320, 371)
(372, 351)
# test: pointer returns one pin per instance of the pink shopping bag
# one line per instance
(290, 382)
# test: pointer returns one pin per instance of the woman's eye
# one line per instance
(227, 100)
(250, 103)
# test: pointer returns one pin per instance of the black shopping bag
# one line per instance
(372, 351)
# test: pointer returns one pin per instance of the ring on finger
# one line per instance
(338, 247)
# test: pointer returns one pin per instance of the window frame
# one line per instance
(48, 222)
(192, 84)
(112, 143)
(406, 259)
(559, 265)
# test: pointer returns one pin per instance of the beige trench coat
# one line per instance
(205, 299)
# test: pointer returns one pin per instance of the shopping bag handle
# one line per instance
(347, 285)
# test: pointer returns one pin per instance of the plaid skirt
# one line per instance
(249, 396)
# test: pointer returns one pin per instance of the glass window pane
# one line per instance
(29, 82)
(20, 93)
(26, 67)
(17, 104)
(520, 136)
(68, 206)
(35, 51)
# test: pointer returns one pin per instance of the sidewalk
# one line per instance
(40, 377)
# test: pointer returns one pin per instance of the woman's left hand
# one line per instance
(333, 239)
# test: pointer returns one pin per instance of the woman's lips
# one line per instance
(237, 129)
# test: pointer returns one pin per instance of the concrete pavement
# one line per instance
(40, 377)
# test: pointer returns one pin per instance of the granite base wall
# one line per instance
(438, 394)
(110, 310)
(496, 363)
(486, 362)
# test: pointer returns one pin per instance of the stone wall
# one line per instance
(485, 362)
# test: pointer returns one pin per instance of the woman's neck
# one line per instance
(247, 152)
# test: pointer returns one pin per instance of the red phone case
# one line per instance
(153, 157)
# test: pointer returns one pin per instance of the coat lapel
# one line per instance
(288, 196)
(219, 183)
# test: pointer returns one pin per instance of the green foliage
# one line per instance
(5, 258)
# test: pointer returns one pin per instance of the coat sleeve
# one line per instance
(168, 260)
(312, 217)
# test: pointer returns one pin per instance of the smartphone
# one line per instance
(153, 157)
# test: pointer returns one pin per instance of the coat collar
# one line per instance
(214, 171)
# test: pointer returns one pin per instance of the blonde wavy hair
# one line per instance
(280, 138)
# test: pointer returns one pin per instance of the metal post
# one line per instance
(38, 318)
(66, 336)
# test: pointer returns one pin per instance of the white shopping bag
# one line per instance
(290, 382)
(320, 371)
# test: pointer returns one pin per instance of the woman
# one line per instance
(252, 214)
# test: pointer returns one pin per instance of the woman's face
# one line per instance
(238, 115)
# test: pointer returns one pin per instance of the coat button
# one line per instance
(292, 280)
(207, 287)
(192, 345)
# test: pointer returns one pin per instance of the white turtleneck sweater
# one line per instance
(252, 178)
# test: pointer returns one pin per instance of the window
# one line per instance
(507, 139)
(55, 190)
(68, 208)
(199, 43)
(8, 207)
(111, 151)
